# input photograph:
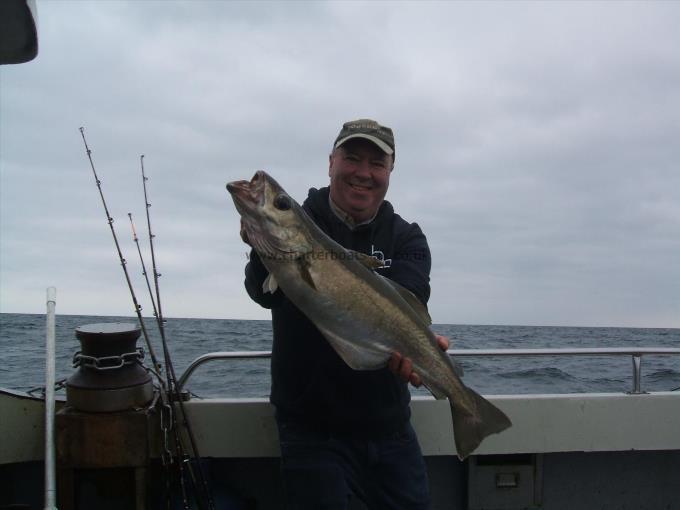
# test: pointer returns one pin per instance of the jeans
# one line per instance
(321, 470)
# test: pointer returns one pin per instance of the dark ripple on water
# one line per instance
(550, 374)
(665, 375)
(22, 340)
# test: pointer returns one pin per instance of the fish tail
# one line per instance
(470, 429)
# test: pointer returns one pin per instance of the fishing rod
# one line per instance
(141, 260)
(170, 422)
(156, 275)
(123, 262)
(163, 391)
(170, 370)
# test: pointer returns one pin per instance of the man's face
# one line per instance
(360, 175)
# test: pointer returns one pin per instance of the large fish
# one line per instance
(364, 316)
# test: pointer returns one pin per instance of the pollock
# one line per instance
(364, 316)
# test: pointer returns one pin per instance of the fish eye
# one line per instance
(282, 202)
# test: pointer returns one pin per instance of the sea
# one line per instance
(23, 338)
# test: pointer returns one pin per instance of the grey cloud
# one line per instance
(535, 146)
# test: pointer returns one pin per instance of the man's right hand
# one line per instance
(403, 367)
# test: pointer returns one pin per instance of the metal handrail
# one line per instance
(50, 377)
(211, 356)
(636, 354)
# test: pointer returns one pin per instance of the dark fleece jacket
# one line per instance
(310, 382)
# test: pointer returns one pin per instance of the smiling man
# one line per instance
(342, 432)
(360, 167)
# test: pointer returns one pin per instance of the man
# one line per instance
(344, 432)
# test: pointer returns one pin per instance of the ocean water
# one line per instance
(22, 348)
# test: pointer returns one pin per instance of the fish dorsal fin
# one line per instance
(366, 260)
(420, 309)
(270, 285)
(411, 299)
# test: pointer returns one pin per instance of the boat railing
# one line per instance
(635, 353)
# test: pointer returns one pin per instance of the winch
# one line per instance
(109, 375)
(106, 432)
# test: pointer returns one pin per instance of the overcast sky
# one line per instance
(537, 147)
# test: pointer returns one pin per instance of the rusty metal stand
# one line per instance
(104, 457)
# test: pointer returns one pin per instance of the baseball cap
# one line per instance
(369, 129)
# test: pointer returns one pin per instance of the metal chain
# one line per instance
(167, 457)
(108, 362)
(58, 385)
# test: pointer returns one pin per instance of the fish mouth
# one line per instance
(250, 199)
(248, 194)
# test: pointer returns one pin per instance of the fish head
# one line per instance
(271, 218)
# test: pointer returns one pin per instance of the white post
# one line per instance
(50, 475)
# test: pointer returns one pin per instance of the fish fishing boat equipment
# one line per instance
(174, 453)
(141, 261)
(109, 376)
(50, 369)
(105, 432)
(123, 262)
(199, 484)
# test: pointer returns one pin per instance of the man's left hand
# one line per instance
(403, 367)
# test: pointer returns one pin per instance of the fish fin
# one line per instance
(356, 358)
(469, 430)
(366, 260)
(303, 266)
(436, 393)
(457, 367)
(411, 299)
(270, 285)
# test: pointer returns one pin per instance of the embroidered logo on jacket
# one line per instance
(381, 257)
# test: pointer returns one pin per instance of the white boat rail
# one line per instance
(635, 353)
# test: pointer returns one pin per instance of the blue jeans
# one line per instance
(323, 471)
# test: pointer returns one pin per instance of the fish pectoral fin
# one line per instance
(457, 367)
(366, 260)
(436, 392)
(411, 299)
(303, 269)
(356, 357)
(270, 284)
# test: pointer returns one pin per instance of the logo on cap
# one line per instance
(369, 129)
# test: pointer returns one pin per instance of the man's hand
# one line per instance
(403, 367)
